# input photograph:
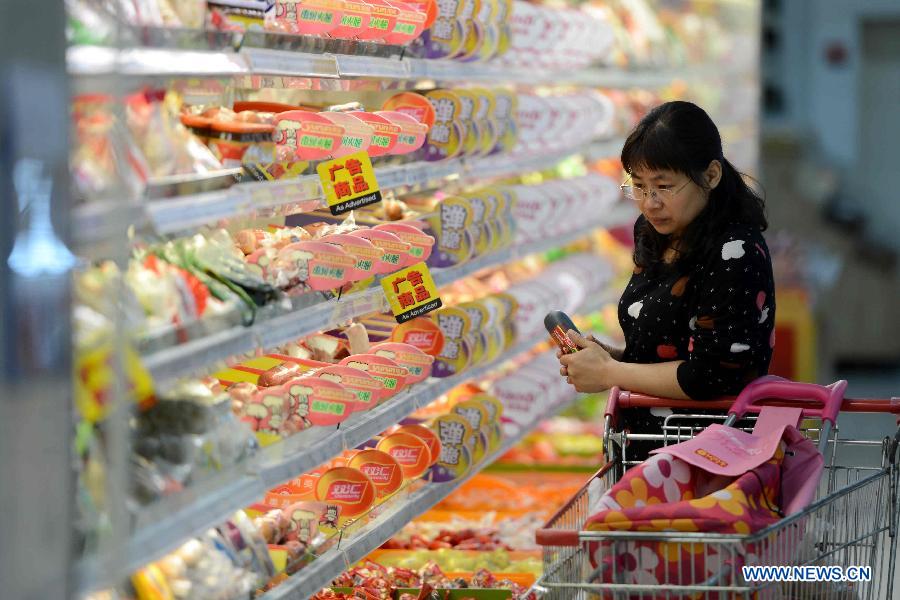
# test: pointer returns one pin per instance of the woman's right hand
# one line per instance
(615, 353)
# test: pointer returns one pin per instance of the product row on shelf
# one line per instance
(284, 43)
(320, 387)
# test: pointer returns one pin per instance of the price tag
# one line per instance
(411, 292)
(349, 182)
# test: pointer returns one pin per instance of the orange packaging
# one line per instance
(412, 104)
(410, 451)
(384, 471)
(421, 332)
(426, 435)
(347, 488)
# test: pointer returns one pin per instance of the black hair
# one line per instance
(680, 136)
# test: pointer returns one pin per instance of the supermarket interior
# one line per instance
(286, 290)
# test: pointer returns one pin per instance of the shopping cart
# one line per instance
(852, 522)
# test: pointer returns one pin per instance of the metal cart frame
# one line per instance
(853, 522)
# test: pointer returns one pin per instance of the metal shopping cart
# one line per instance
(852, 522)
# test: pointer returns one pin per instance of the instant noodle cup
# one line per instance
(384, 471)
(406, 355)
(395, 251)
(389, 373)
(347, 488)
(357, 133)
(422, 333)
(382, 21)
(367, 255)
(410, 451)
(426, 435)
(354, 23)
(411, 22)
(385, 135)
(308, 17)
(367, 389)
(306, 136)
(420, 242)
(415, 105)
(412, 133)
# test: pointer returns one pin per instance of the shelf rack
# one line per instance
(160, 527)
(94, 64)
(173, 362)
(370, 536)
(93, 222)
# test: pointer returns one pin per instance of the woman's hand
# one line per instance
(591, 368)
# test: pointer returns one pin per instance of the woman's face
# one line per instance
(677, 201)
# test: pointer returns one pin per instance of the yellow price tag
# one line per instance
(411, 292)
(349, 182)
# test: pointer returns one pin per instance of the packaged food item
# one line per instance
(368, 390)
(426, 435)
(354, 23)
(385, 136)
(304, 135)
(412, 133)
(411, 452)
(446, 35)
(357, 133)
(383, 469)
(414, 359)
(349, 489)
(455, 435)
(187, 435)
(446, 136)
(389, 373)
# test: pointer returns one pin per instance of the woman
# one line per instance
(699, 311)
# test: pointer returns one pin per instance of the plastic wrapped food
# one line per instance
(167, 146)
(188, 434)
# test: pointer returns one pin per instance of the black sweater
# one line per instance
(718, 317)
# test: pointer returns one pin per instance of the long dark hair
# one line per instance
(680, 137)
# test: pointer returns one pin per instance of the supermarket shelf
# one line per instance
(279, 462)
(185, 359)
(96, 222)
(329, 59)
(162, 526)
(328, 566)
(305, 193)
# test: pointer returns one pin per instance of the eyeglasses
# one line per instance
(640, 193)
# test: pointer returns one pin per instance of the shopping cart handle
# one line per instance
(622, 399)
(816, 400)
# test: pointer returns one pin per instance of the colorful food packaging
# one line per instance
(412, 358)
(306, 136)
(384, 471)
(349, 489)
(411, 452)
